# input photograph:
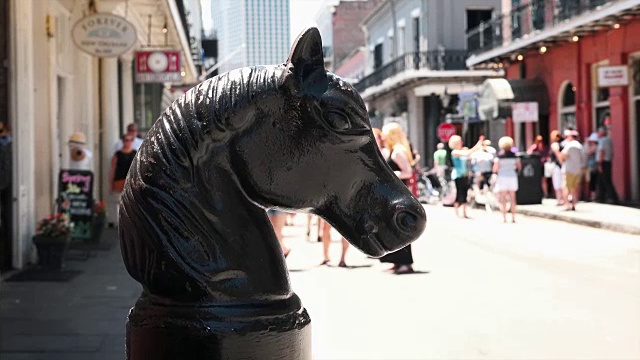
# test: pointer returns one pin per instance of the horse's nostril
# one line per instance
(406, 221)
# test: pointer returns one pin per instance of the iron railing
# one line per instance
(525, 19)
(432, 60)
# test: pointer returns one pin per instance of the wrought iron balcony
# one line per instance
(526, 19)
(427, 60)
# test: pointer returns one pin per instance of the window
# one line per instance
(601, 109)
(377, 57)
(416, 34)
(401, 49)
(537, 14)
(474, 19)
(568, 107)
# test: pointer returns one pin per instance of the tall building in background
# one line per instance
(251, 32)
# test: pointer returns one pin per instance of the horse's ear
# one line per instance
(306, 64)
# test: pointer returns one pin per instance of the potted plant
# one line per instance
(99, 219)
(52, 237)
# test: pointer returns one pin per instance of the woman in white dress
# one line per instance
(506, 166)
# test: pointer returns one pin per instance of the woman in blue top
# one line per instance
(460, 173)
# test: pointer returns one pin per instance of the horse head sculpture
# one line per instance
(192, 220)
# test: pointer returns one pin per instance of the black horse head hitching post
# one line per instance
(192, 221)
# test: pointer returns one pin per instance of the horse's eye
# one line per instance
(338, 120)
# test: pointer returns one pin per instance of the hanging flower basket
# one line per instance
(51, 240)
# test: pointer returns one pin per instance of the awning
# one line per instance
(497, 95)
(445, 88)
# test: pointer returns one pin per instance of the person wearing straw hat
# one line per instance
(79, 153)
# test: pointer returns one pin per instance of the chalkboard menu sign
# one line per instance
(75, 198)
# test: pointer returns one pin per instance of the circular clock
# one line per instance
(157, 62)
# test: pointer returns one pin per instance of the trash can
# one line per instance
(529, 180)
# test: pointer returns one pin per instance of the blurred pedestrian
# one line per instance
(132, 130)
(460, 173)
(590, 149)
(604, 158)
(556, 174)
(539, 149)
(278, 219)
(120, 164)
(398, 155)
(507, 166)
(326, 242)
(482, 162)
(571, 157)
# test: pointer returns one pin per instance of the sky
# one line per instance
(303, 14)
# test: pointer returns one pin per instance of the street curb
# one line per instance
(621, 228)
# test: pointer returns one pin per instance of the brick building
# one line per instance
(566, 46)
(339, 24)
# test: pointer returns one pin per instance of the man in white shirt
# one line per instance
(132, 130)
(572, 159)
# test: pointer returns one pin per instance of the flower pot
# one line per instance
(51, 250)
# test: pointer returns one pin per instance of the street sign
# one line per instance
(158, 67)
(524, 112)
(445, 131)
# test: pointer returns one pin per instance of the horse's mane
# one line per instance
(166, 210)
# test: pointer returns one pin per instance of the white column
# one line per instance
(21, 116)
(416, 123)
(127, 90)
(110, 128)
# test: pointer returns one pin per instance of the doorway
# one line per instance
(6, 157)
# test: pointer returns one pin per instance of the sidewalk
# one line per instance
(610, 217)
(82, 318)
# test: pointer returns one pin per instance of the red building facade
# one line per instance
(567, 63)
(571, 65)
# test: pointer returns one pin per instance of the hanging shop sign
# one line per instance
(158, 67)
(609, 76)
(524, 112)
(104, 35)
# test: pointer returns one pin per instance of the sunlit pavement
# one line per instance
(537, 289)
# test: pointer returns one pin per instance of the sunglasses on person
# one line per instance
(128, 139)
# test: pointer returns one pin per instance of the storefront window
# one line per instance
(602, 113)
(635, 71)
(602, 95)
(568, 109)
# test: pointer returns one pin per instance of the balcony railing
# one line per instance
(525, 19)
(431, 60)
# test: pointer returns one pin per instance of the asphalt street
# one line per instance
(537, 289)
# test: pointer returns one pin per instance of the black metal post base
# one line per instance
(169, 332)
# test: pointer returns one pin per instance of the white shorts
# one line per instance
(556, 178)
(506, 183)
